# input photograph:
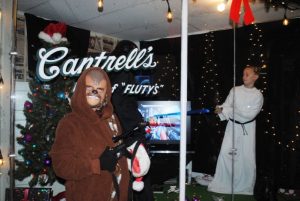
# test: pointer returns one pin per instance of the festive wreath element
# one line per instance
(140, 165)
(54, 33)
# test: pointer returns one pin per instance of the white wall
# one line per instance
(5, 69)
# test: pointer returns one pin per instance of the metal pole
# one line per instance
(233, 151)
(183, 97)
(12, 101)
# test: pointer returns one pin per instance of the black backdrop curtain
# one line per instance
(281, 49)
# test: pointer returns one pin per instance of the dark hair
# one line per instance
(255, 69)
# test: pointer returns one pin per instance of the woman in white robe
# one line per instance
(248, 103)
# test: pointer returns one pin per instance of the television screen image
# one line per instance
(164, 121)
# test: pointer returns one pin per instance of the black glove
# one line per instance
(108, 160)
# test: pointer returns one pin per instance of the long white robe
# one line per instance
(248, 103)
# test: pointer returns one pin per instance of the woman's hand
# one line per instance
(218, 110)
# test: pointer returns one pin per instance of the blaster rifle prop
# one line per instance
(129, 138)
(188, 113)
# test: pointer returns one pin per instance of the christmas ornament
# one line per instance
(28, 137)
(47, 161)
(61, 95)
(28, 162)
(45, 154)
(54, 33)
(21, 152)
(47, 138)
(28, 105)
(195, 198)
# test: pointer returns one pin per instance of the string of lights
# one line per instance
(1, 162)
(210, 70)
(285, 21)
(100, 5)
(257, 53)
(169, 70)
(1, 158)
(287, 4)
(169, 13)
(209, 92)
(1, 81)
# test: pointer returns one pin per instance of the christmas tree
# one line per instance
(48, 103)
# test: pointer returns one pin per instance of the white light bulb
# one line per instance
(221, 7)
(285, 22)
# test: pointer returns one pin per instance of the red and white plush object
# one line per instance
(140, 166)
(54, 33)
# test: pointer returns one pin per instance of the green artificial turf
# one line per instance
(201, 193)
(198, 192)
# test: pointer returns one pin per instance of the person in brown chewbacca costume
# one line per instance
(81, 153)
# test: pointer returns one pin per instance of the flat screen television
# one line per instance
(164, 121)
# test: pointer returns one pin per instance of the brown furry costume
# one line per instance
(81, 137)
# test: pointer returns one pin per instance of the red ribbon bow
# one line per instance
(235, 11)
